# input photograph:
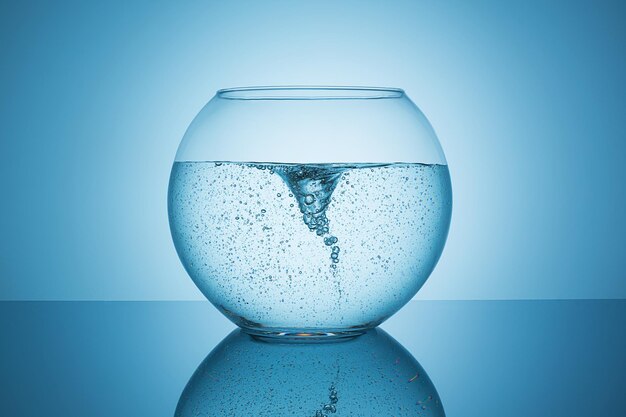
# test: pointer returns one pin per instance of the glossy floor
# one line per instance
(485, 358)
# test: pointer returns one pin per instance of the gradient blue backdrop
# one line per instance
(528, 99)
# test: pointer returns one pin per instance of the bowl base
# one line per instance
(304, 335)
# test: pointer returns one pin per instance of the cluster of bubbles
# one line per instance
(320, 225)
(262, 167)
(424, 403)
(317, 222)
(331, 406)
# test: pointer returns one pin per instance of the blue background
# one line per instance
(528, 100)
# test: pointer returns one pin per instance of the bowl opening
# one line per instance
(309, 93)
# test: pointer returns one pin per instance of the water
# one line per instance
(316, 246)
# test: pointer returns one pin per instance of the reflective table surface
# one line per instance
(469, 358)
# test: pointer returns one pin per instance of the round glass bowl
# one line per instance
(309, 212)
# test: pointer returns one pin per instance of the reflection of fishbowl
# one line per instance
(371, 375)
(335, 237)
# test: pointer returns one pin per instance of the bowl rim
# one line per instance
(310, 92)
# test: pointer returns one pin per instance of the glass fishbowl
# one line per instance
(309, 212)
